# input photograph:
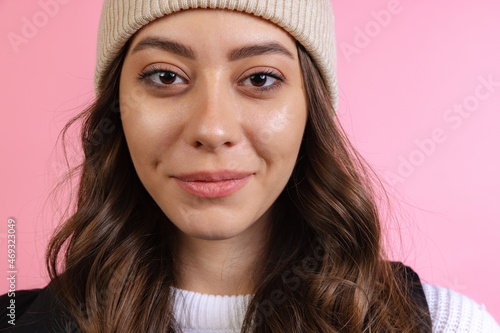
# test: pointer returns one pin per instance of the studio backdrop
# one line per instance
(419, 97)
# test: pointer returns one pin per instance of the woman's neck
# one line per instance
(221, 267)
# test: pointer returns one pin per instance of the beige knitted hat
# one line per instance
(310, 22)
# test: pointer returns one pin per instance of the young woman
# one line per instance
(218, 192)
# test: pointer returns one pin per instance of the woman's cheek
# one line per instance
(132, 99)
(272, 127)
(279, 138)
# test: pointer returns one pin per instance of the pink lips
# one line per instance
(213, 184)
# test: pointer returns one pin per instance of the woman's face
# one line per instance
(213, 108)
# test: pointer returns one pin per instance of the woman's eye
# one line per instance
(161, 77)
(260, 80)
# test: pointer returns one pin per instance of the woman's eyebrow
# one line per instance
(165, 45)
(236, 54)
(259, 49)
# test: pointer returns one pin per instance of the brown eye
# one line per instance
(258, 80)
(161, 78)
(261, 80)
(167, 77)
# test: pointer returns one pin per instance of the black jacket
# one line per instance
(40, 311)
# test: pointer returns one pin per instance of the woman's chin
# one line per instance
(222, 226)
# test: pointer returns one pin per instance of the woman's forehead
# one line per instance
(209, 28)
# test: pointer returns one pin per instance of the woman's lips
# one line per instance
(213, 185)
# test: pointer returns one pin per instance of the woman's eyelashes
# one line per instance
(265, 80)
(262, 80)
(161, 78)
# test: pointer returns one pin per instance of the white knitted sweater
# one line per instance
(450, 312)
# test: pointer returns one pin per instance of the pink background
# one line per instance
(398, 86)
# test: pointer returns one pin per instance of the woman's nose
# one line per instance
(214, 120)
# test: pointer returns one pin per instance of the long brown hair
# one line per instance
(112, 261)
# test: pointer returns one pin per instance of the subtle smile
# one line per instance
(213, 184)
